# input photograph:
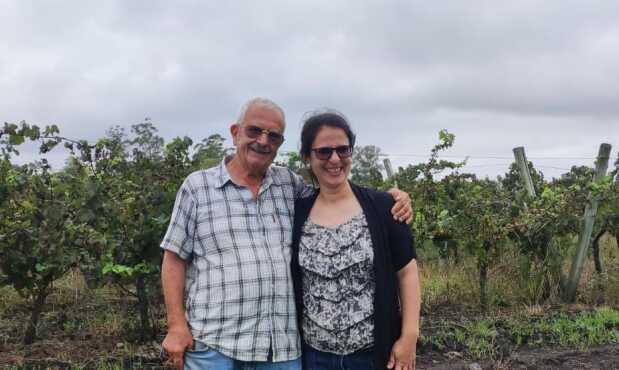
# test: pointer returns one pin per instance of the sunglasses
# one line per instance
(325, 152)
(255, 132)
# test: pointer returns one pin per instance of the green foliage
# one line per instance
(293, 161)
(13, 135)
(478, 338)
(436, 202)
(554, 212)
(458, 211)
(209, 152)
(41, 231)
(134, 216)
(488, 336)
(511, 181)
(145, 142)
(582, 330)
(482, 225)
(106, 212)
(366, 167)
(108, 209)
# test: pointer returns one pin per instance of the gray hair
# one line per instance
(264, 102)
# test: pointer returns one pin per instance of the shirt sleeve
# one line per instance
(179, 237)
(401, 240)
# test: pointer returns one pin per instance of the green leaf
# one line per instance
(16, 139)
(39, 267)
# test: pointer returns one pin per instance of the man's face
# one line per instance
(256, 151)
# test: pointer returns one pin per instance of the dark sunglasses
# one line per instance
(325, 152)
(254, 132)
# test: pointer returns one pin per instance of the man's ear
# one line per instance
(235, 129)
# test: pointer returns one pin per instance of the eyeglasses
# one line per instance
(254, 132)
(325, 152)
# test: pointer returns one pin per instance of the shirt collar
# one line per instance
(223, 176)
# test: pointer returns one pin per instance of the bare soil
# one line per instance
(597, 358)
(89, 354)
(72, 337)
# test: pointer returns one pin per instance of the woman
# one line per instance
(354, 269)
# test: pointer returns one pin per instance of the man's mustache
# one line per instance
(264, 149)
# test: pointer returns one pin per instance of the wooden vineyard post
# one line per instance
(601, 165)
(389, 171)
(523, 169)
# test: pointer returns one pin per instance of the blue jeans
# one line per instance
(204, 358)
(314, 359)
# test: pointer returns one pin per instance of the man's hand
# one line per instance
(176, 342)
(179, 336)
(403, 354)
(402, 209)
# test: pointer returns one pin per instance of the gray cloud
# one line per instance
(544, 75)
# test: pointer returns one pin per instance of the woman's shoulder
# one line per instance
(305, 202)
(377, 197)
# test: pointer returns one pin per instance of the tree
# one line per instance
(435, 202)
(43, 225)
(366, 167)
(542, 231)
(482, 225)
(145, 142)
(293, 161)
(126, 187)
(42, 232)
(139, 194)
(209, 152)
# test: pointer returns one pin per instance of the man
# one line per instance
(228, 247)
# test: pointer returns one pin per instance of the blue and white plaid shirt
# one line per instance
(239, 295)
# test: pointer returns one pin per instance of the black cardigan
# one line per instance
(393, 247)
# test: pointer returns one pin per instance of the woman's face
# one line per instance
(332, 172)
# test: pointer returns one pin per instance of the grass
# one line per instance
(478, 338)
(444, 284)
(514, 280)
(516, 318)
(93, 329)
(604, 289)
(79, 329)
(582, 330)
(100, 365)
(496, 335)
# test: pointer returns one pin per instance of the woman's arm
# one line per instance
(404, 350)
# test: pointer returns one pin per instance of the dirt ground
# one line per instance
(598, 358)
(94, 346)
(60, 355)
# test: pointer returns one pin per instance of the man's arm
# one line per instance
(402, 209)
(179, 336)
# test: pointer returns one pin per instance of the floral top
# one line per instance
(338, 284)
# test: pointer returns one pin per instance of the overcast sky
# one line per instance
(497, 74)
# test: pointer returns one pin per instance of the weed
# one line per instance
(478, 338)
(604, 288)
(583, 330)
(587, 329)
(448, 283)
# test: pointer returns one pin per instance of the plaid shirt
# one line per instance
(239, 295)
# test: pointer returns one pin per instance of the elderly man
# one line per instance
(228, 248)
